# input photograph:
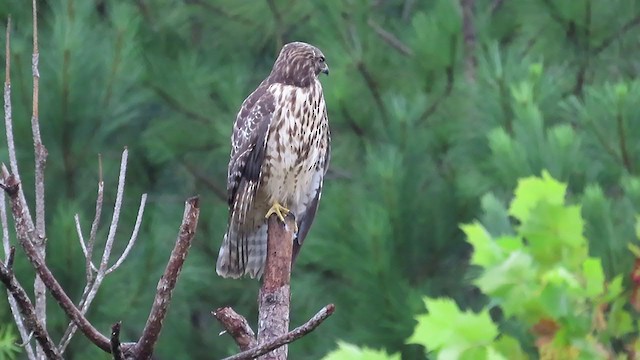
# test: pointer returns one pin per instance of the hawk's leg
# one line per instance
(281, 212)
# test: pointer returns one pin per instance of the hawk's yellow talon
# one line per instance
(279, 210)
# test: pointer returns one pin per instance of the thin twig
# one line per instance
(635, 21)
(116, 213)
(92, 266)
(237, 326)
(134, 236)
(25, 235)
(26, 309)
(390, 38)
(24, 334)
(116, 347)
(144, 348)
(28, 339)
(445, 94)
(289, 337)
(96, 220)
(372, 85)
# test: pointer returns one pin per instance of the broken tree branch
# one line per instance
(237, 326)
(275, 294)
(116, 347)
(287, 338)
(144, 348)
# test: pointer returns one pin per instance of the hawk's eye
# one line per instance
(321, 59)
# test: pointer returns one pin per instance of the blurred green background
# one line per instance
(436, 108)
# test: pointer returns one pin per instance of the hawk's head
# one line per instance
(299, 64)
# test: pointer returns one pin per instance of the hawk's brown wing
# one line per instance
(244, 246)
(249, 140)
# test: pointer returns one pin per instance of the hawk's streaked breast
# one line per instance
(296, 146)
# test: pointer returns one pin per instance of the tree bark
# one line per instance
(275, 294)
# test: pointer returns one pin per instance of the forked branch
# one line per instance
(229, 320)
(273, 303)
(94, 283)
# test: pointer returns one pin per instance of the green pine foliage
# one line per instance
(9, 349)
(420, 145)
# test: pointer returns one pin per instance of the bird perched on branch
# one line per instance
(279, 156)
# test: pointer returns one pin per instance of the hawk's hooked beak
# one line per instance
(325, 69)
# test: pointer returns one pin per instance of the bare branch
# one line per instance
(116, 348)
(25, 235)
(96, 220)
(390, 38)
(86, 301)
(289, 337)
(93, 285)
(151, 332)
(92, 266)
(116, 213)
(237, 326)
(26, 309)
(134, 236)
(275, 294)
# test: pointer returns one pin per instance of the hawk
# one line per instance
(280, 150)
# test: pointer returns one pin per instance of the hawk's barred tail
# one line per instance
(243, 254)
(244, 248)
